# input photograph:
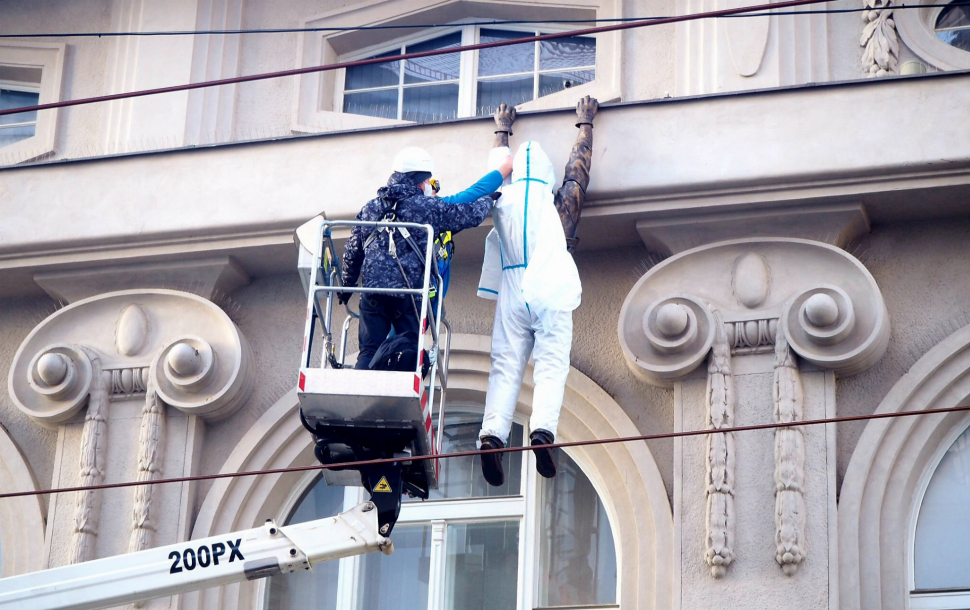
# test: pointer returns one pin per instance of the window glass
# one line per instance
(426, 104)
(557, 81)
(462, 477)
(562, 53)
(381, 103)
(510, 90)
(386, 74)
(19, 126)
(398, 581)
(953, 26)
(506, 60)
(436, 67)
(942, 528)
(482, 566)
(578, 558)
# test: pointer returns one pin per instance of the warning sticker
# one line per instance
(383, 486)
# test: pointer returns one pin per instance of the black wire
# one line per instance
(448, 25)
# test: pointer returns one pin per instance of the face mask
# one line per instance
(428, 191)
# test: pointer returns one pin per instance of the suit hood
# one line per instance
(532, 163)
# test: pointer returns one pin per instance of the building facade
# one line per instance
(775, 230)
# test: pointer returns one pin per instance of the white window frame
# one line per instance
(49, 57)
(523, 508)
(942, 599)
(468, 64)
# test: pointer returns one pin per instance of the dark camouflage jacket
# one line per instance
(380, 269)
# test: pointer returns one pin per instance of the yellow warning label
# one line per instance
(383, 486)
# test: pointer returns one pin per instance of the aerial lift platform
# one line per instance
(367, 414)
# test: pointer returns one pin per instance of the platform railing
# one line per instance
(325, 283)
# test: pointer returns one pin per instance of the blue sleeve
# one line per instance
(489, 183)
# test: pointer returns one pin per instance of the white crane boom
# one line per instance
(196, 564)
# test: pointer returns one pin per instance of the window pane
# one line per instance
(506, 60)
(493, 92)
(317, 588)
(957, 38)
(578, 558)
(462, 477)
(434, 103)
(436, 67)
(557, 81)
(374, 75)
(373, 103)
(17, 99)
(942, 528)
(954, 17)
(398, 581)
(572, 52)
(482, 566)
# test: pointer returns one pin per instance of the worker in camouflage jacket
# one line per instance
(408, 197)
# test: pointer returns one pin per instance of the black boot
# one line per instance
(545, 464)
(492, 462)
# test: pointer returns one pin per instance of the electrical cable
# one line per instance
(428, 26)
(601, 441)
(434, 52)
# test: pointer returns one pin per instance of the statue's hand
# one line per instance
(504, 117)
(586, 109)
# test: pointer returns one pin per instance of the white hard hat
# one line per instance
(413, 159)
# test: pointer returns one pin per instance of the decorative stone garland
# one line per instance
(789, 461)
(719, 543)
(93, 439)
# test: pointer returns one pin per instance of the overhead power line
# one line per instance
(428, 26)
(601, 441)
(378, 60)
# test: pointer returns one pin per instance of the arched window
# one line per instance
(940, 569)
(464, 84)
(533, 543)
(953, 26)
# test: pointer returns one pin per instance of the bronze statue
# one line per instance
(572, 194)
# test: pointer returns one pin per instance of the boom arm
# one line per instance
(196, 564)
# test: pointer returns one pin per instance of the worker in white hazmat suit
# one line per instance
(534, 280)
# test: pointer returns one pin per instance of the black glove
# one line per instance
(344, 297)
(495, 196)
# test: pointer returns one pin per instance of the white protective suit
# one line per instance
(533, 277)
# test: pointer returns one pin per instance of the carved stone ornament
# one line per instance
(828, 303)
(199, 360)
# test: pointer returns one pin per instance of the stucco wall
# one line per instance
(922, 270)
(79, 128)
(17, 318)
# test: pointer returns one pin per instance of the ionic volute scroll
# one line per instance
(118, 348)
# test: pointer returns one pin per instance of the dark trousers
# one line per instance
(378, 314)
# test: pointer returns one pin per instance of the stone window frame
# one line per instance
(917, 28)
(315, 106)
(50, 58)
(888, 474)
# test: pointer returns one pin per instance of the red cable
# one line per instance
(376, 60)
(605, 441)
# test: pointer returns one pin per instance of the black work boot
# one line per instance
(545, 465)
(492, 462)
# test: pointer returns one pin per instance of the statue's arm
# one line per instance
(572, 194)
(504, 118)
